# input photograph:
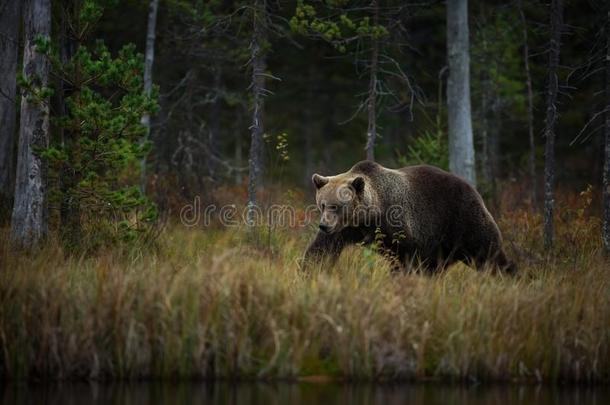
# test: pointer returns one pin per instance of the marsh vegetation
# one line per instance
(224, 303)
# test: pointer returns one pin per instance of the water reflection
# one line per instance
(297, 394)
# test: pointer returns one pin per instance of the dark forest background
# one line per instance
(204, 92)
(328, 83)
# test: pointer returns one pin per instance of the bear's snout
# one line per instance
(324, 228)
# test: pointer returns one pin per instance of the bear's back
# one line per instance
(435, 180)
(436, 188)
(424, 186)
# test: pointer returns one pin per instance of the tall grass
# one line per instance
(208, 304)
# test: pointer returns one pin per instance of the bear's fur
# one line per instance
(415, 214)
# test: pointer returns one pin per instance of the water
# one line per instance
(297, 394)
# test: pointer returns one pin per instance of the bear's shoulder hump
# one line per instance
(366, 167)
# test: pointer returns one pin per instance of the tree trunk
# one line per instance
(148, 66)
(69, 214)
(214, 132)
(309, 129)
(29, 220)
(237, 158)
(490, 153)
(309, 133)
(461, 145)
(484, 158)
(606, 176)
(372, 96)
(258, 87)
(486, 99)
(551, 120)
(530, 108)
(494, 155)
(10, 11)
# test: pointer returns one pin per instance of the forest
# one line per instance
(157, 204)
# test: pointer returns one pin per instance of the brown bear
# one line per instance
(418, 214)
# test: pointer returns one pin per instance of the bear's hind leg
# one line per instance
(501, 261)
(498, 261)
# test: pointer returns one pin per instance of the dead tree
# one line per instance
(29, 219)
(556, 24)
(530, 106)
(9, 46)
(461, 144)
(148, 66)
(606, 176)
(258, 62)
(371, 134)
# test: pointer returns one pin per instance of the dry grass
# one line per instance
(208, 304)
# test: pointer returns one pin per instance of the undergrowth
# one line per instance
(208, 303)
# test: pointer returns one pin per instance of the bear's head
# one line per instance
(343, 201)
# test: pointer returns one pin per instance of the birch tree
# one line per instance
(29, 219)
(148, 66)
(461, 145)
(9, 45)
(556, 23)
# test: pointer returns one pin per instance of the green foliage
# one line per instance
(30, 85)
(282, 147)
(278, 152)
(204, 13)
(32, 90)
(337, 29)
(429, 148)
(94, 162)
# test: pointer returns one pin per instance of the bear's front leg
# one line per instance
(324, 247)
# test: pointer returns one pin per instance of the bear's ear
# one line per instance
(319, 181)
(358, 184)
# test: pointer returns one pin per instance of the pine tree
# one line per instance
(102, 132)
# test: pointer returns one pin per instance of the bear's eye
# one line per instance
(332, 207)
